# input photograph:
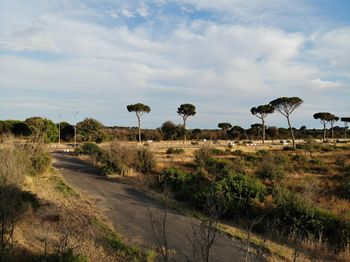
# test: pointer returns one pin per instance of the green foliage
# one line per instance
(62, 187)
(42, 129)
(225, 126)
(295, 218)
(114, 241)
(144, 161)
(201, 156)
(186, 110)
(170, 131)
(41, 161)
(90, 149)
(175, 179)
(238, 192)
(268, 169)
(122, 249)
(91, 130)
(175, 151)
(14, 127)
(138, 108)
(67, 131)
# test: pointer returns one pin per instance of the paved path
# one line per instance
(128, 209)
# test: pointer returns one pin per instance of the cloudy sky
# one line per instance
(224, 56)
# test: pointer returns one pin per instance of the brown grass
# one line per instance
(59, 216)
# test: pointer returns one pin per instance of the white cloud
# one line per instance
(232, 65)
(142, 10)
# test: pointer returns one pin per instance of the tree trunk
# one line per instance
(332, 130)
(324, 132)
(185, 129)
(263, 126)
(345, 127)
(139, 126)
(291, 132)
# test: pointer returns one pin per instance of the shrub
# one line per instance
(40, 162)
(294, 217)
(263, 152)
(238, 192)
(268, 169)
(301, 162)
(90, 149)
(238, 152)
(175, 151)
(174, 178)
(201, 156)
(116, 159)
(341, 160)
(144, 161)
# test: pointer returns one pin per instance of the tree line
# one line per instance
(92, 130)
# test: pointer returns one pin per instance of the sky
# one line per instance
(223, 56)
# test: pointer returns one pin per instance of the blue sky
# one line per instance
(224, 56)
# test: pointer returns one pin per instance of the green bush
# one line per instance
(201, 156)
(268, 169)
(40, 162)
(175, 151)
(90, 149)
(238, 192)
(175, 179)
(144, 161)
(295, 218)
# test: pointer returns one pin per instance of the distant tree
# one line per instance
(42, 129)
(262, 112)
(67, 131)
(286, 106)
(324, 118)
(20, 128)
(272, 132)
(91, 130)
(254, 130)
(170, 131)
(15, 127)
(139, 110)
(185, 111)
(196, 133)
(346, 120)
(236, 132)
(332, 121)
(225, 127)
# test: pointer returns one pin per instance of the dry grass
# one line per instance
(63, 214)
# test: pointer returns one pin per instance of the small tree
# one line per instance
(91, 130)
(139, 110)
(261, 112)
(346, 120)
(42, 129)
(286, 106)
(185, 111)
(225, 127)
(324, 118)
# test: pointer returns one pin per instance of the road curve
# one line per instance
(128, 209)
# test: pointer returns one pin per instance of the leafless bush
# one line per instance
(205, 232)
(159, 228)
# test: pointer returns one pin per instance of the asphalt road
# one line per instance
(129, 210)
